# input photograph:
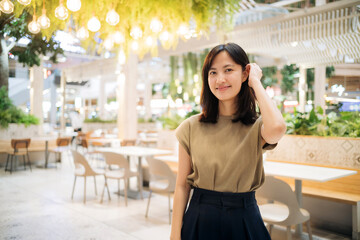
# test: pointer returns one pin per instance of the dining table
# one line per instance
(300, 172)
(296, 171)
(139, 153)
(45, 139)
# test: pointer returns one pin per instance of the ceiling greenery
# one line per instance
(164, 21)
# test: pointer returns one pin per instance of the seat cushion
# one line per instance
(118, 174)
(274, 212)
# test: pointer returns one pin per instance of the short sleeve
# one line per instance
(183, 135)
(267, 146)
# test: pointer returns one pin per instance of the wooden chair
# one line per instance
(162, 180)
(285, 210)
(83, 169)
(20, 148)
(122, 172)
(62, 145)
(128, 142)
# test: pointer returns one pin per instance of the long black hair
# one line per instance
(245, 102)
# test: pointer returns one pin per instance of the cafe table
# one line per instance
(45, 139)
(139, 153)
(298, 172)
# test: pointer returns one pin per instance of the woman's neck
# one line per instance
(226, 108)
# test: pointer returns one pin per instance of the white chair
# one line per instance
(123, 171)
(285, 210)
(162, 180)
(83, 169)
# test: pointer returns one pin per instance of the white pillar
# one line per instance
(302, 89)
(53, 101)
(126, 98)
(62, 97)
(319, 88)
(147, 99)
(101, 98)
(320, 2)
(36, 91)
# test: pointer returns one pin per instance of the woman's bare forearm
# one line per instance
(181, 198)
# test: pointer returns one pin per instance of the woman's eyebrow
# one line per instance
(226, 66)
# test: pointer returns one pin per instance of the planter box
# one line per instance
(87, 127)
(330, 151)
(20, 131)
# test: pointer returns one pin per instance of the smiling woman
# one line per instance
(220, 151)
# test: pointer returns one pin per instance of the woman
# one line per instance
(220, 151)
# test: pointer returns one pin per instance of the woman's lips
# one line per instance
(223, 88)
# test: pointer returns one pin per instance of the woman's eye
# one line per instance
(228, 70)
(212, 73)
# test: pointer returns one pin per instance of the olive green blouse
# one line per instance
(225, 156)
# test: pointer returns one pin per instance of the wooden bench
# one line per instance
(35, 146)
(343, 190)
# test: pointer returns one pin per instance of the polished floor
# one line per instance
(37, 205)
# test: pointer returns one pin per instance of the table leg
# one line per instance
(298, 193)
(46, 153)
(136, 194)
(141, 175)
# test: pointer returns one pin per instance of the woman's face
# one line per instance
(225, 77)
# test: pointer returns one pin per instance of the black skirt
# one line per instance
(223, 216)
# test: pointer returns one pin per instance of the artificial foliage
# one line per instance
(9, 113)
(316, 123)
(14, 26)
(197, 15)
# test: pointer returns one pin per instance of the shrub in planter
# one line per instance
(9, 113)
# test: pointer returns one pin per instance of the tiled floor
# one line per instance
(37, 205)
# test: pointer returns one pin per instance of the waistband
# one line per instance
(223, 199)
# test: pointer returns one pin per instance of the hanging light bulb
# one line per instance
(164, 36)
(118, 37)
(135, 46)
(24, 2)
(112, 17)
(94, 24)
(149, 41)
(43, 20)
(122, 57)
(6, 6)
(82, 33)
(155, 25)
(136, 33)
(61, 12)
(73, 5)
(183, 29)
(108, 44)
(34, 26)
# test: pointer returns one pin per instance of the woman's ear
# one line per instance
(245, 73)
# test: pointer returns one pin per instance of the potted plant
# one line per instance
(14, 123)
(315, 138)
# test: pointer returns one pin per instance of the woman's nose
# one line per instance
(220, 78)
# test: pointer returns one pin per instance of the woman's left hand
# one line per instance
(255, 73)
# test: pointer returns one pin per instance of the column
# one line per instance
(302, 89)
(101, 98)
(126, 97)
(53, 108)
(62, 97)
(319, 86)
(147, 99)
(36, 91)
